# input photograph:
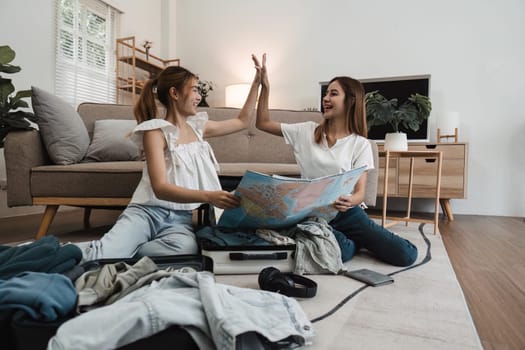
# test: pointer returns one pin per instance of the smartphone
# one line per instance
(370, 277)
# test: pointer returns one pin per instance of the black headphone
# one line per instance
(289, 284)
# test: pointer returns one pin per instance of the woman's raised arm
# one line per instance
(225, 127)
(263, 121)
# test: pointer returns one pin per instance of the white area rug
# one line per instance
(423, 309)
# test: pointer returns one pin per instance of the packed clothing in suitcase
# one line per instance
(50, 299)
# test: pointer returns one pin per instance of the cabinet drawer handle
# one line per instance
(430, 160)
(430, 146)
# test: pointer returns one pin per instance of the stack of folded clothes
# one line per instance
(32, 284)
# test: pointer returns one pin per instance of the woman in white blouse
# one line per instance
(180, 172)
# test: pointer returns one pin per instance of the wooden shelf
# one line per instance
(143, 64)
(134, 66)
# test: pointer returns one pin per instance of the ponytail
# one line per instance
(172, 76)
(146, 108)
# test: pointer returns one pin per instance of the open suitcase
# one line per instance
(245, 259)
(26, 333)
(242, 259)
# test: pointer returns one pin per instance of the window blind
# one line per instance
(86, 31)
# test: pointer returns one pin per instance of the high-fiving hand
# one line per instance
(261, 70)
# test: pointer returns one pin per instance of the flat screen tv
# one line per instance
(395, 87)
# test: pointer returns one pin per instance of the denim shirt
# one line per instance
(213, 314)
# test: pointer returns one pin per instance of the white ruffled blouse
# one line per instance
(192, 165)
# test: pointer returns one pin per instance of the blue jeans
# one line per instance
(145, 231)
(365, 233)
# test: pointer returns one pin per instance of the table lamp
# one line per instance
(236, 94)
(448, 126)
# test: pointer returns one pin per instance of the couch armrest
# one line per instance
(23, 150)
(373, 175)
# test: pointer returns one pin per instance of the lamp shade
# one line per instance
(448, 122)
(236, 95)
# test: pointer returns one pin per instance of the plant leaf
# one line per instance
(422, 103)
(7, 68)
(23, 94)
(17, 120)
(414, 125)
(4, 130)
(6, 54)
(19, 104)
(16, 101)
(381, 111)
(6, 89)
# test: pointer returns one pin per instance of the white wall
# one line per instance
(142, 19)
(473, 50)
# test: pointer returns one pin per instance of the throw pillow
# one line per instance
(62, 130)
(111, 141)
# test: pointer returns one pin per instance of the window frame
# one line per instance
(85, 59)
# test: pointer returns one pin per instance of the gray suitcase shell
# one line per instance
(230, 260)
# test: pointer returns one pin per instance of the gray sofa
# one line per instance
(33, 180)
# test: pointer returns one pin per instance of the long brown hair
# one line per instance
(173, 76)
(355, 108)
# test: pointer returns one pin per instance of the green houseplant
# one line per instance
(409, 116)
(11, 117)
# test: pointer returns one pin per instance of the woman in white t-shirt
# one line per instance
(338, 144)
(180, 172)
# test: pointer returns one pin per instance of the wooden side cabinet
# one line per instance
(453, 174)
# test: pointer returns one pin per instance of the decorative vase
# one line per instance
(203, 103)
(396, 141)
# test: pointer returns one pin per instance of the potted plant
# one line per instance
(11, 117)
(204, 87)
(410, 115)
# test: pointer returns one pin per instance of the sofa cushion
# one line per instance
(91, 112)
(63, 132)
(111, 141)
(97, 179)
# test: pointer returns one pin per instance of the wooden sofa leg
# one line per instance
(48, 217)
(87, 214)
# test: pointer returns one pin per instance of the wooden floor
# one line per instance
(487, 254)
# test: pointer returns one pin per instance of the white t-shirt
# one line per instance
(316, 160)
(192, 165)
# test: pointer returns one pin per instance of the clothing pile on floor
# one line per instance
(117, 305)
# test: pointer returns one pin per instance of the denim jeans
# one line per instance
(365, 233)
(214, 314)
(145, 231)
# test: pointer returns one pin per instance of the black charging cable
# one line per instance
(425, 260)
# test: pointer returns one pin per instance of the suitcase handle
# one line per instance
(259, 256)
